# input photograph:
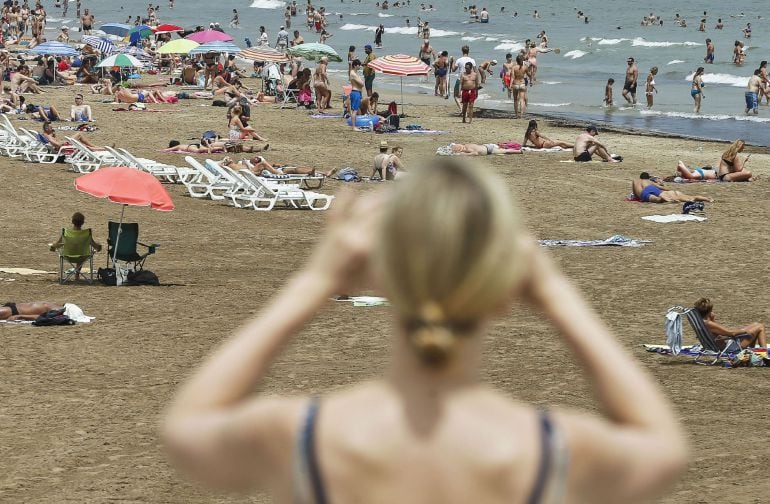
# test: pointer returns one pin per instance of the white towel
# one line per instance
(74, 312)
(552, 149)
(674, 218)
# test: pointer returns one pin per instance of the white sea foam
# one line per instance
(471, 39)
(400, 30)
(484, 96)
(575, 54)
(491, 39)
(268, 4)
(640, 42)
(548, 83)
(509, 45)
(551, 105)
(674, 62)
(380, 14)
(604, 41)
(719, 78)
(708, 117)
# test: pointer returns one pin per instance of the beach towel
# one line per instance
(417, 132)
(748, 357)
(88, 128)
(673, 218)
(75, 313)
(363, 300)
(612, 241)
(23, 271)
(674, 330)
(122, 109)
(552, 149)
(326, 116)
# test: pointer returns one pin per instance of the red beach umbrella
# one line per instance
(204, 36)
(167, 28)
(402, 65)
(126, 186)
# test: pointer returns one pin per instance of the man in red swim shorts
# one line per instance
(469, 86)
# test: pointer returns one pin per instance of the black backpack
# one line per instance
(107, 276)
(52, 318)
(142, 277)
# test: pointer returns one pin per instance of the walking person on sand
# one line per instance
(696, 91)
(429, 430)
(469, 85)
(650, 86)
(629, 87)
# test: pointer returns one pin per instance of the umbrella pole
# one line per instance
(117, 240)
(402, 96)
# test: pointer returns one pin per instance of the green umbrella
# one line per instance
(314, 51)
(120, 60)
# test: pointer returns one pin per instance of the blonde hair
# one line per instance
(732, 151)
(447, 260)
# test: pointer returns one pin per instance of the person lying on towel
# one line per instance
(26, 311)
(650, 191)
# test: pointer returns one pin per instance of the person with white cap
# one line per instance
(282, 42)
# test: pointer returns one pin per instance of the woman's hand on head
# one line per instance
(343, 254)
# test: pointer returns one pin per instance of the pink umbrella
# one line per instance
(204, 36)
(401, 65)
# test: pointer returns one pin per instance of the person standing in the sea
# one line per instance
(696, 91)
(650, 86)
(378, 36)
(629, 88)
(709, 52)
(752, 92)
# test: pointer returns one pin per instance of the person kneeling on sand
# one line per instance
(586, 145)
(749, 336)
(458, 149)
(26, 311)
(649, 191)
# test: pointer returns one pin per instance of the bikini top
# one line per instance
(549, 484)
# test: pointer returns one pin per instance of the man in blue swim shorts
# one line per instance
(752, 94)
(649, 191)
(356, 93)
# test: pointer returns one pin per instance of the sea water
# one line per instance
(569, 84)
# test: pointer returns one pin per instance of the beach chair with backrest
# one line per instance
(290, 195)
(710, 342)
(209, 183)
(85, 160)
(41, 151)
(164, 172)
(304, 181)
(18, 141)
(127, 244)
(76, 250)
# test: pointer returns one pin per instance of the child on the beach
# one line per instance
(608, 93)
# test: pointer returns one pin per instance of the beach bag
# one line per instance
(219, 103)
(392, 109)
(107, 276)
(394, 120)
(53, 318)
(142, 277)
(210, 135)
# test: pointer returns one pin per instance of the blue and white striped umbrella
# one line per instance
(104, 46)
(216, 47)
(54, 48)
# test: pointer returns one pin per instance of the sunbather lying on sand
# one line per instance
(649, 191)
(749, 336)
(704, 173)
(211, 147)
(123, 95)
(104, 87)
(457, 149)
(260, 165)
(26, 311)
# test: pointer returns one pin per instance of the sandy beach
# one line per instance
(79, 406)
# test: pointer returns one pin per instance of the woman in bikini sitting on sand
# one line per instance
(539, 141)
(731, 166)
(237, 129)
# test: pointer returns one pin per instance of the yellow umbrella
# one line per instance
(178, 46)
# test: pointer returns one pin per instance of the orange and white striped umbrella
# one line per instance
(399, 64)
(266, 55)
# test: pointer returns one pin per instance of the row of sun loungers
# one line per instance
(207, 180)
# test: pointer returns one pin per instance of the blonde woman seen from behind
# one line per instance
(428, 431)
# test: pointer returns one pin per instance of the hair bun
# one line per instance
(434, 344)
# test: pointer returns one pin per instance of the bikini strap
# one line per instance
(552, 471)
(308, 456)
